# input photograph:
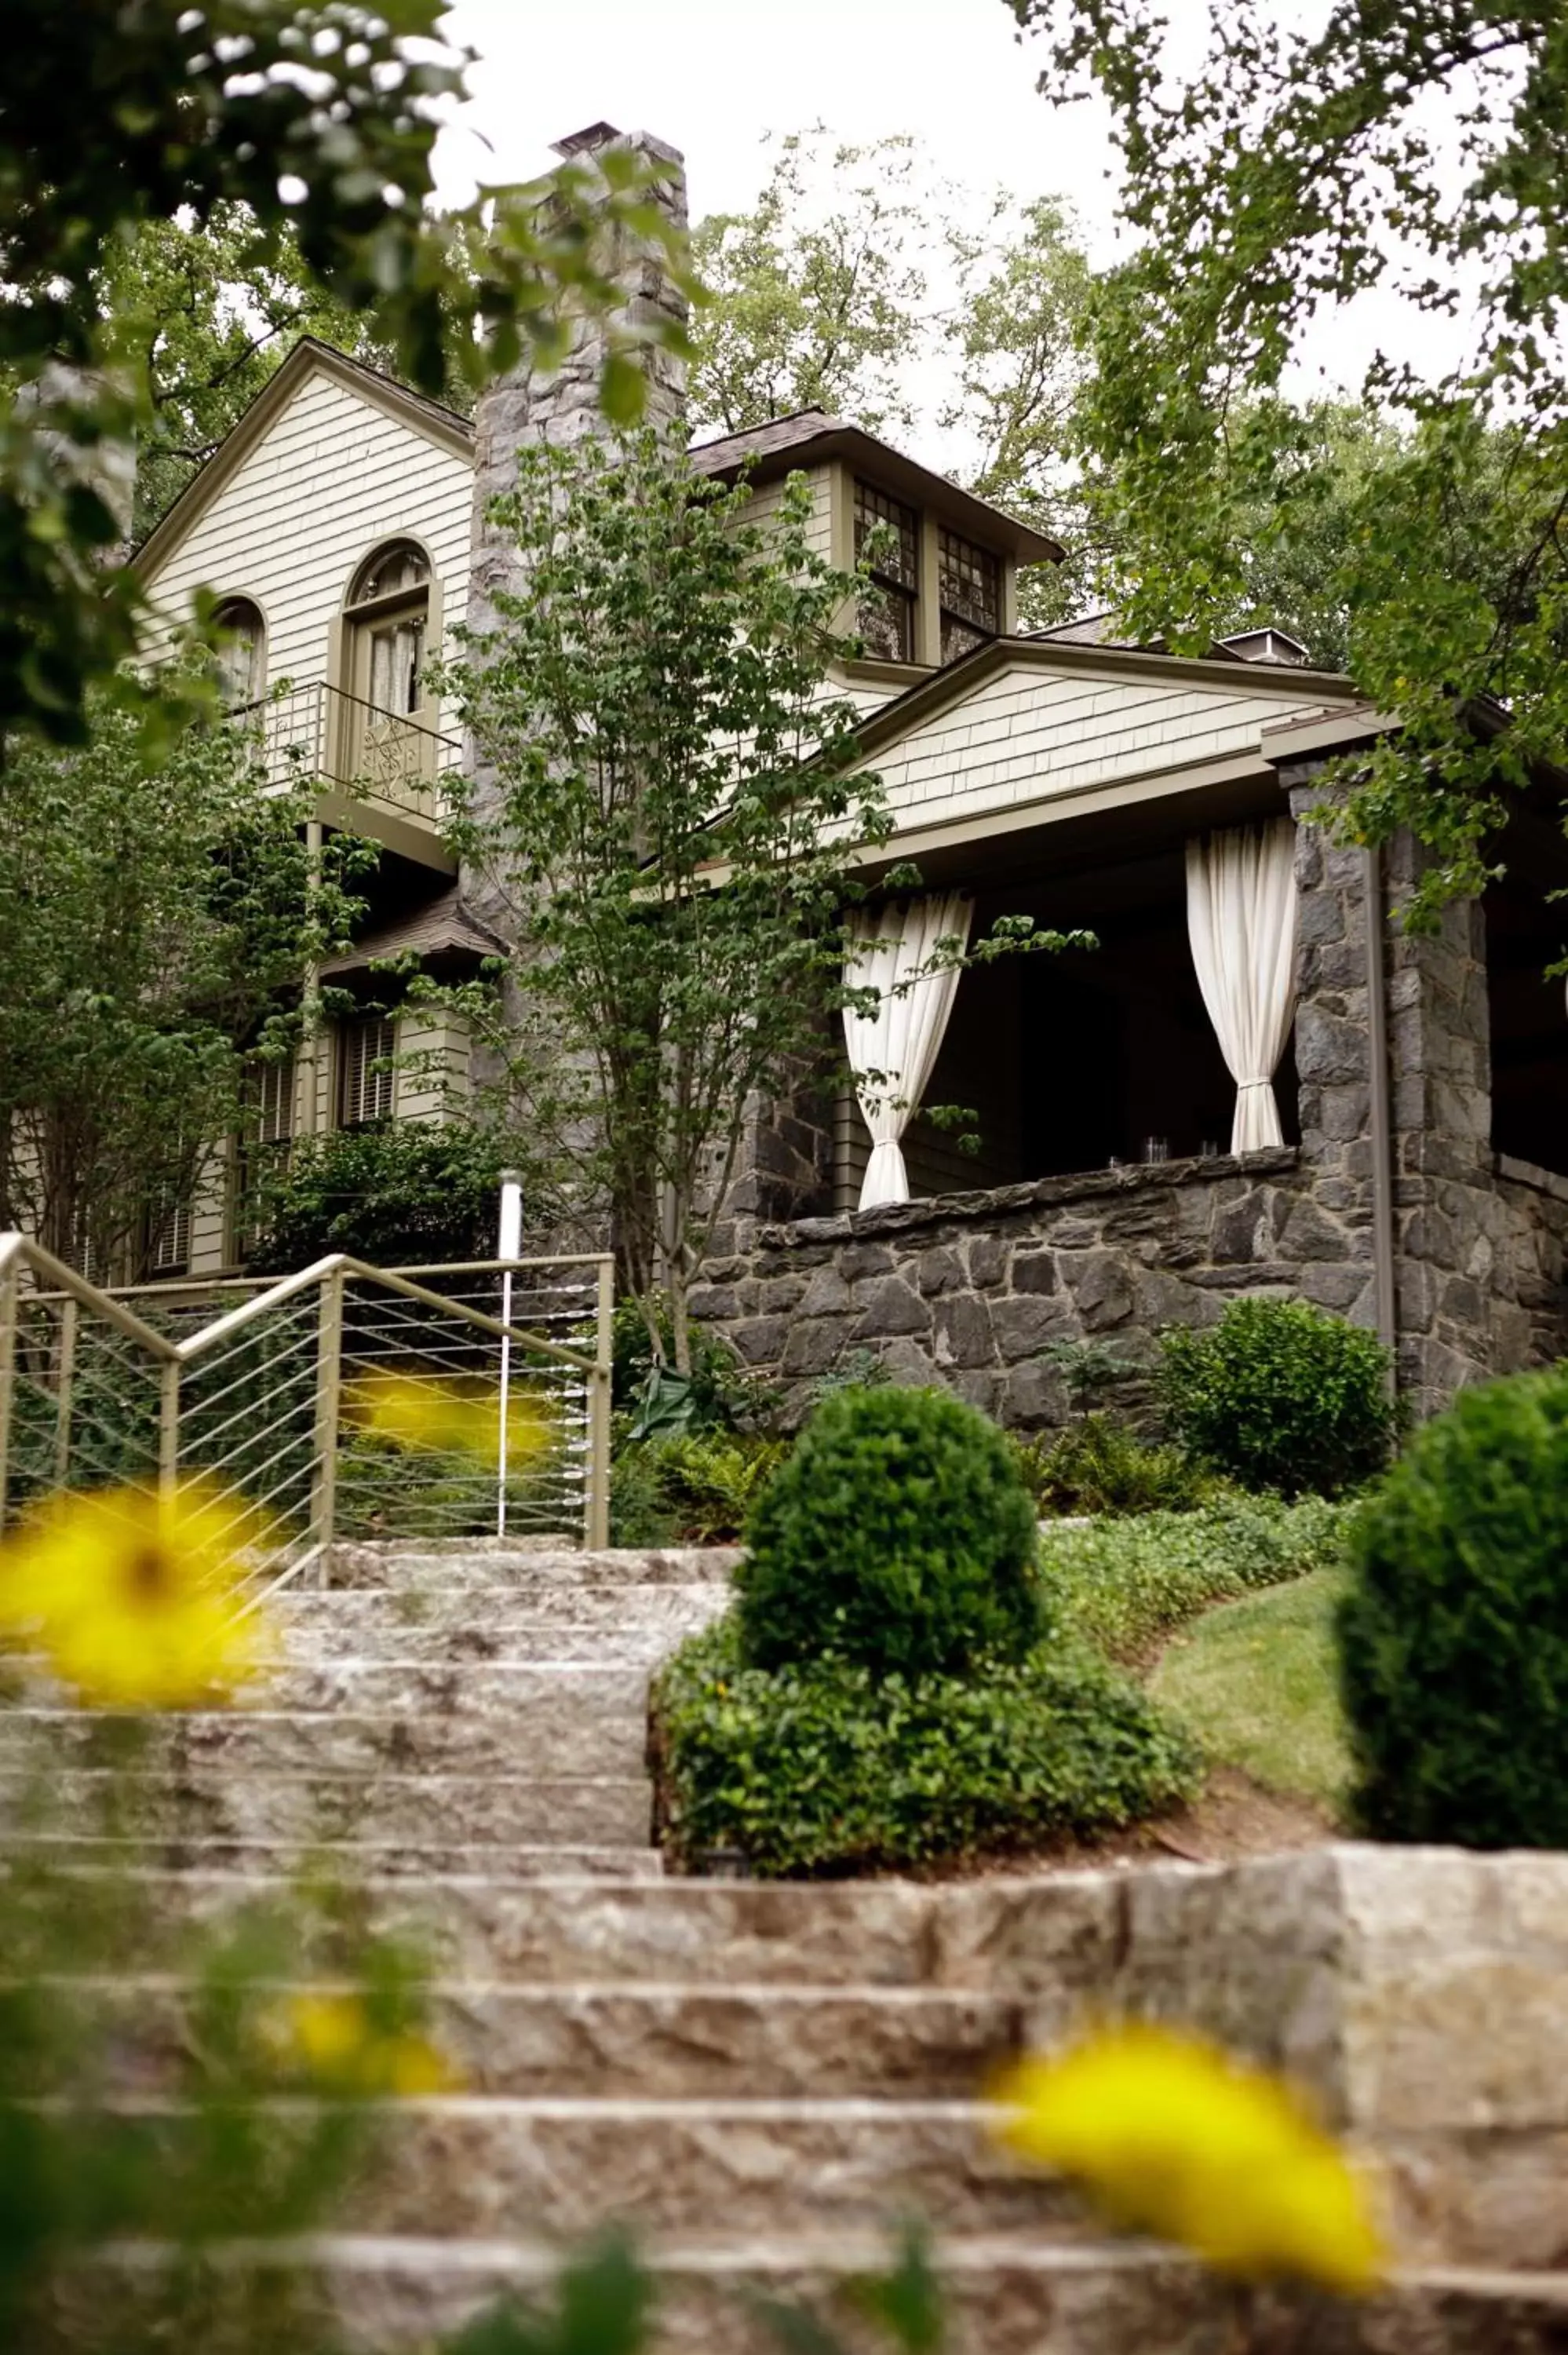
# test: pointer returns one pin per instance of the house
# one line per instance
(1252, 1081)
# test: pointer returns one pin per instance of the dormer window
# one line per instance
(887, 602)
(969, 587)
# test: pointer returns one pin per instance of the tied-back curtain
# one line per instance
(1241, 921)
(893, 1052)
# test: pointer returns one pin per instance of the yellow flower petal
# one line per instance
(450, 1414)
(133, 1593)
(1171, 2137)
(335, 2040)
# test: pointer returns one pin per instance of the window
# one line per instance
(969, 587)
(365, 1092)
(170, 1239)
(388, 613)
(262, 1147)
(887, 602)
(242, 654)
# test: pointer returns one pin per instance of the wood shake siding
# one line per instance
(1027, 737)
(332, 475)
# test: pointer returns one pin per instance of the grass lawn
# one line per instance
(1256, 1681)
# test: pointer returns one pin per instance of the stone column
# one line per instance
(1446, 1215)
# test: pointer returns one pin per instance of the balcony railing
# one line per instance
(318, 732)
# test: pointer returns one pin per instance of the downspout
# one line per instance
(1379, 1117)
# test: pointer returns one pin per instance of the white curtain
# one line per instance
(894, 1051)
(1241, 921)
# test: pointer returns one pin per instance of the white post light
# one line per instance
(508, 1247)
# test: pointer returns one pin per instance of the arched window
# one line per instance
(243, 652)
(388, 613)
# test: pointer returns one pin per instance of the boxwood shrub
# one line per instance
(1280, 1395)
(827, 1768)
(1453, 1635)
(898, 1537)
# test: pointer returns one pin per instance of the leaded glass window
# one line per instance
(969, 585)
(891, 532)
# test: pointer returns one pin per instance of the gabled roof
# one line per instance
(1320, 690)
(812, 436)
(308, 357)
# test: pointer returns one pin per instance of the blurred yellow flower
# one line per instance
(132, 1594)
(334, 2038)
(449, 1414)
(1172, 2137)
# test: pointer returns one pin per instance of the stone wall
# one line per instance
(1479, 1245)
(969, 1288)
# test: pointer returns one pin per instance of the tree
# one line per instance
(675, 805)
(1295, 171)
(318, 116)
(812, 305)
(154, 921)
(1015, 334)
(209, 314)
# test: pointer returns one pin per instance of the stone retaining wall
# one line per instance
(969, 1289)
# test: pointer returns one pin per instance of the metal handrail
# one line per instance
(329, 1276)
(340, 1264)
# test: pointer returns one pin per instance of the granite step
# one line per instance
(345, 1616)
(564, 1811)
(238, 1870)
(435, 1566)
(460, 2166)
(648, 2040)
(1053, 1944)
(519, 1643)
(1003, 2294)
(592, 1719)
(562, 1701)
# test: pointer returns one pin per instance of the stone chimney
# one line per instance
(533, 404)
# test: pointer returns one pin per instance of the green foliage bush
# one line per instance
(826, 1767)
(414, 1193)
(898, 1536)
(723, 1396)
(1280, 1395)
(1122, 1584)
(1453, 1635)
(1097, 1465)
(692, 1488)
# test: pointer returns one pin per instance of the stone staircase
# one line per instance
(762, 2080)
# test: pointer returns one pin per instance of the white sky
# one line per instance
(713, 76)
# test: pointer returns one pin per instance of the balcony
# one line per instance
(384, 774)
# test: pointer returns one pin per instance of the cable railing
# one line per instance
(344, 1403)
(321, 732)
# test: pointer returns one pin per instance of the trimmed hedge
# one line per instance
(826, 1768)
(1454, 1636)
(1280, 1395)
(897, 1536)
(1121, 1584)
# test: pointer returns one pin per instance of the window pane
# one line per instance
(393, 571)
(961, 638)
(971, 583)
(887, 619)
(899, 558)
(367, 1092)
(240, 658)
